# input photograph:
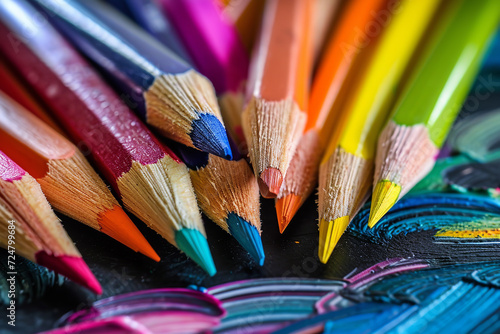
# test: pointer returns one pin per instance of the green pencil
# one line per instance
(422, 117)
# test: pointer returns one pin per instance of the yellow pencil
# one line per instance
(347, 167)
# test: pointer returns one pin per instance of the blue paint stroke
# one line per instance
(269, 304)
(451, 299)
(359, 318)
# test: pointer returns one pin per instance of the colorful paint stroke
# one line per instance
(477, 135)
(147, 312)
(265, 305)
(471, 217)
(359, 281)
(32, 281)
(452, 299)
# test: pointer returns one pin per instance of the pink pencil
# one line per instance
(215, 47)
(29, 227)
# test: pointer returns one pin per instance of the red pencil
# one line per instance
(66, 178)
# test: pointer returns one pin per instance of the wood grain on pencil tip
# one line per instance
(274, 117)
(228, 194)
(152, 183)
(347, 170)
(38, 233)
(325, 115)
(67, 179)
(164, 90)
(216, 49)
(424, 113)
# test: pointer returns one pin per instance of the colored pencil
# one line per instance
(346, 171)
(66, 178)
(148, 15)
(12, 85)
(325, 115)
(424, 113)
(274, 117)
(228, 194)
(165, 91)
(246, 16)
(30, 228)
(150, 180)
(214, 45)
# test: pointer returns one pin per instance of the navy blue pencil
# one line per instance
(228, 194)
(167, 92)
(148, 15)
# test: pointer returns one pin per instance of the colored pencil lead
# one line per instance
(247, 235)
(329, 235)
(72, 267)
(195, 245)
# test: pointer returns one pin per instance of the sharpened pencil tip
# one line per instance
(270, 182)
(72, 267)
(329, 235)
(286, 207)
(385, 195)
(247, 235)
(118, 226)
(209, 135)
(195, 245)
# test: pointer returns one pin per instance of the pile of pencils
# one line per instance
(184, 105)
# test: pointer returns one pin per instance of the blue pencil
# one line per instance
(148, 15)
(168, 93)
(228, 194)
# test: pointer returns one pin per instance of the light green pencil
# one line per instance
(408, 145)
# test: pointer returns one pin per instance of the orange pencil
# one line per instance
(325, 118)
(274, 116)
(30, 228)
(66, 178)
(11, 85)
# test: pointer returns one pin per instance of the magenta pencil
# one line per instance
(213, 43)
